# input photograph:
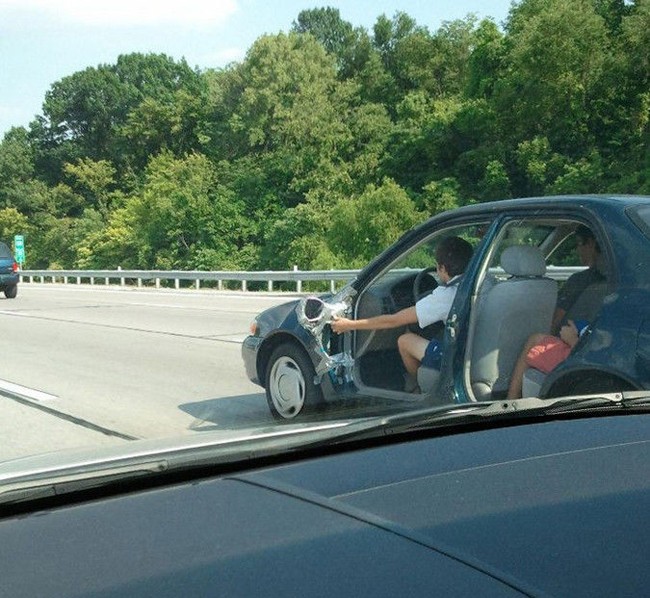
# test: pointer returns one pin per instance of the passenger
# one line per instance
(589, 253)
(545, 352)
(452, 256)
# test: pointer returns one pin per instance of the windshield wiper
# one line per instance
(616, 400)
(468, 413)
(510, 409)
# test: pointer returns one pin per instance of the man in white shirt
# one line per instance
(452, 256)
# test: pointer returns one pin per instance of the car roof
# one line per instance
(590, 201)
(593, 203)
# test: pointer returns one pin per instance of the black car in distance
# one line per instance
(8, 272)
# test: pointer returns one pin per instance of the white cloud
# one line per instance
(130, 12)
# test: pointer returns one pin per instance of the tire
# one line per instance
(589, 383)
(290, 390)
(11, 292)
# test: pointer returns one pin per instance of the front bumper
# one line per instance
(249, 350)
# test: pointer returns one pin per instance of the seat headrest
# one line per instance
(523, 260)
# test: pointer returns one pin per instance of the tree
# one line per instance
(12, 223)
(183, 209)
(486, 60)
(333, 33)
(556, 55)
(86, 114)
(299, 238)
(440, 196)
(361, 226)
(536, 166)
(96, 181)
(436, 63)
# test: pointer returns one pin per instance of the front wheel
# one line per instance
(290, 388)
(11, 292)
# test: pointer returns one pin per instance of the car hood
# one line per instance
(558, 508)
(554, 508)
(158, 454)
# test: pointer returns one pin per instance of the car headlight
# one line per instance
(254, 328)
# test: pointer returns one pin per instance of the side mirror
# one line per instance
(313, 309)
(314, 313)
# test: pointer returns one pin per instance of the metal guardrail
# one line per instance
(219, 277)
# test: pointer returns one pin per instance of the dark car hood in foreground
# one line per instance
(558, 508)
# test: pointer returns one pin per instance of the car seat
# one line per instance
(507, 313)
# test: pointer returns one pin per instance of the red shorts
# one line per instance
(547, 354)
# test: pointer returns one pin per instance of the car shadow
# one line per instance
(229, 413)
(247, 411)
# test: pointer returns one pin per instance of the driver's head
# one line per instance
(587, 246)
(454, 254)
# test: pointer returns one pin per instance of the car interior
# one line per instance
(514, 296)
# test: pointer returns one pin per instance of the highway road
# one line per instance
(91, 365)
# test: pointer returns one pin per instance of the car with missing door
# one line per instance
(8, 272)
(524, 252)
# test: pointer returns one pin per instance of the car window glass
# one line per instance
(5, 252)
(523, 232)
(640, 215)
(423, 254)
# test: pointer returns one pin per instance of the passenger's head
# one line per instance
(454, 254)
(588, 248)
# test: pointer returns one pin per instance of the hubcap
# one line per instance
(287, 387)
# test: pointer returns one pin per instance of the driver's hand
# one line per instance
(340, 324)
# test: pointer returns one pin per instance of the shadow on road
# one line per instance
(229, 413)
(246, 411)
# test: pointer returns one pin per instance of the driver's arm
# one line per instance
(401, 318)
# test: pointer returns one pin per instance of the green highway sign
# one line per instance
(19, 248)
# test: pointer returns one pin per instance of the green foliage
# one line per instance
(358, 226)
(95, 180)
(12, 222)
(557, 55)
(327, 142)
(440, 196)
(298, 238)
(333, 33)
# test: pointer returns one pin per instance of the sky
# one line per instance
(43, 41)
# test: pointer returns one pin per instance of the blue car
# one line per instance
(528, 274)
(8, 272)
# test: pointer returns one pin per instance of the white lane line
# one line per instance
(24, 391)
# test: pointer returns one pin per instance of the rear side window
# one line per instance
(640, 215)
(5, 252)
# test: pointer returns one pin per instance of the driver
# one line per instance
(452, 256)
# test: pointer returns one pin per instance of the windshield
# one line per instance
(181, 233)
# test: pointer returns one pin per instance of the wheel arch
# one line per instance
(269, 345)
(589, 381)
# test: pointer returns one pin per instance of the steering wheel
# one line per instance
(432, 330)
(418, 292)
(436, 329)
